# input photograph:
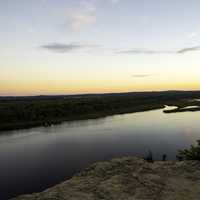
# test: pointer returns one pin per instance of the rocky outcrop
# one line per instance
(129, 178)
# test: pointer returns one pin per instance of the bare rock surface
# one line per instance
(128, 178)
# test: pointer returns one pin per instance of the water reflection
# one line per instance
(189, 107)
(34, 159)
(169, 108)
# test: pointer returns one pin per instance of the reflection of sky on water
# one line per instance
(170, 107)
(188, 107)
(40, 157)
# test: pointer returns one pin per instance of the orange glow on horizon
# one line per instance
(47, 88)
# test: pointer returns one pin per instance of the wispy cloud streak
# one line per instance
(66, 48)
(140, 75)
(69, 47)
(143, 51)
(189, 49)
(147, 51)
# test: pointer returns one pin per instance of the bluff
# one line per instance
(128, 178)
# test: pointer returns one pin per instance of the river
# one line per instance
(34, 159)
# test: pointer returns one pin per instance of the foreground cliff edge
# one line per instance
(129, 178)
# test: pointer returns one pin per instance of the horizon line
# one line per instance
(96, 93)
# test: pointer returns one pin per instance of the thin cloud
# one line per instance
(78, 21)
(189, 49)
(66, 48)
(193, 35)
(81, 16)
(143, 51)
(140, 75)
(151, 52)
(115, 1)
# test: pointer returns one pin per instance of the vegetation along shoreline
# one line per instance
(26, 112)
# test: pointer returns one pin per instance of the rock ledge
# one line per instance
(129, 178)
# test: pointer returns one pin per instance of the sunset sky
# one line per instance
(92, 46)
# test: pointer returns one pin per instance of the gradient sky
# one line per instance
(90, 46)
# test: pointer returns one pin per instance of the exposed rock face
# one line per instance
(129, 178)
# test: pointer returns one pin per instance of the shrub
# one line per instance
(193, 153)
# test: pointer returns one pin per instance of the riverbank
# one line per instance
(27, 112)
(129, 178)
(50, 122)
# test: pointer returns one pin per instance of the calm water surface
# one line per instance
(34, 159)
